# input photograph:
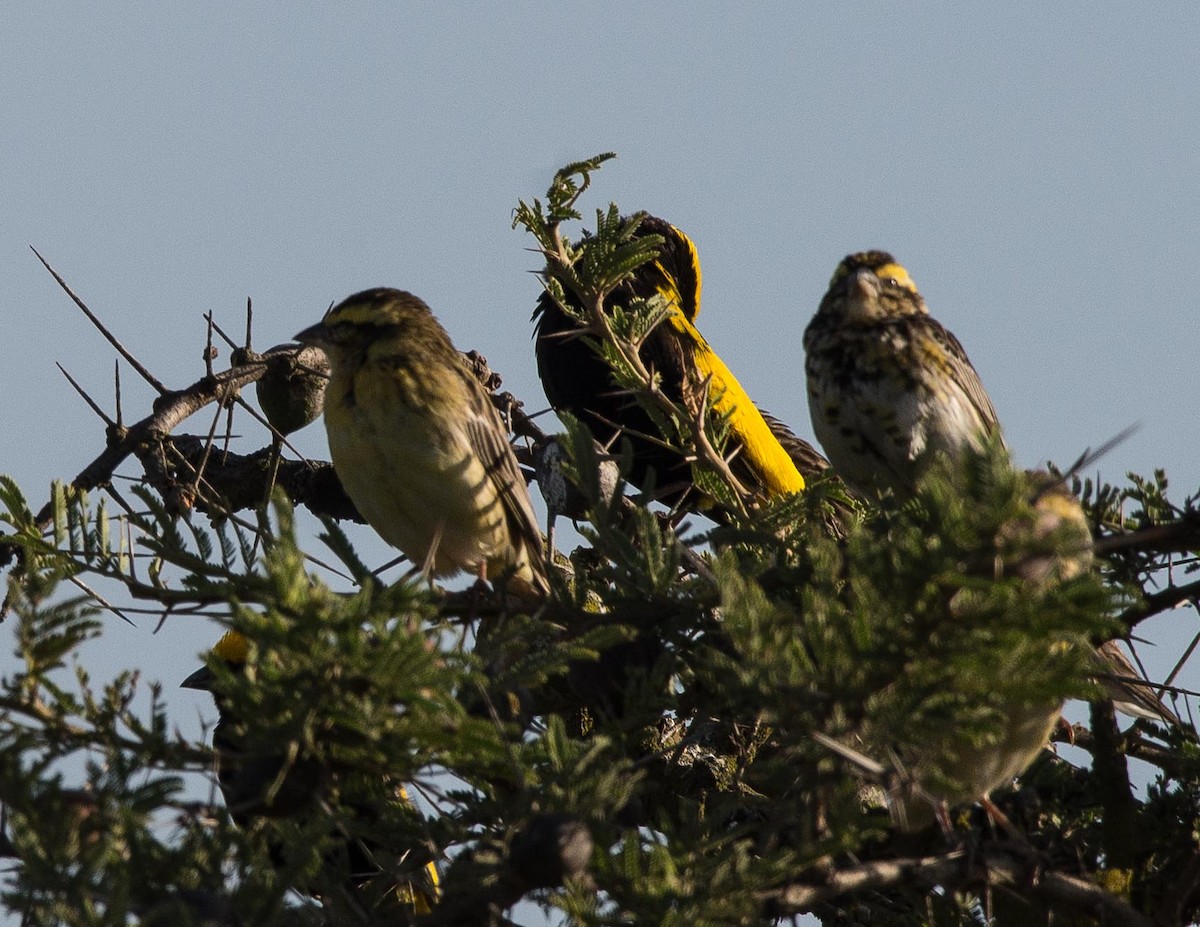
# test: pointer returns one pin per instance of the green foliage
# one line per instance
(693, 730)
(591, 268)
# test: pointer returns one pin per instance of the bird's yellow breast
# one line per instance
(412, 474)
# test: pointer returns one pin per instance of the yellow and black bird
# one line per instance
(271, 780)
(766, 457)
(418, 445)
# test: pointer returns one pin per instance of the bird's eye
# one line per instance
(893, 276)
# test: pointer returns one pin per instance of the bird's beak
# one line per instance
(864, 284)
(315, 335)
(201, 679)
(862, 296)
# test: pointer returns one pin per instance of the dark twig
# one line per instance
(104, 603)
(1079, 735)
(959, 869)
(121, 349)
(86, 398)
(117, 390)
(1176, 537)
(1179, 665)
(221, 332)
(1089, 456)
(1111, 776)
(1171, 597)
(170, 409)
(238, 481)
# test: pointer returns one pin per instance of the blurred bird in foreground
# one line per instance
(889, 387)
(577, 380)
(1056, 507)
(420, 448)
(1045, 543)
(270, 781)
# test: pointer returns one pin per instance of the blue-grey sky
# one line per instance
(1035, 166)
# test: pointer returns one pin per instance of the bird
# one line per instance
(889, 388)
(888, 385)
(1128, 690)
(1043, 543)
(578, 381)
(270, 781)
(419, 447)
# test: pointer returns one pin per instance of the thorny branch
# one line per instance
(238, 481)
(234, 481)
(1164, 601)
(1129, 744)
(988, 866)
(170, 409)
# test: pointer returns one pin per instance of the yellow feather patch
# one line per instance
(360, 313)
(760, 448)
(669, 291)
(420, 898)
(897, 273)
(232, 648)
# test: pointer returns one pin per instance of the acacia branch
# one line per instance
(112, 339)
(235, 481)
(1177, 537)
(960, 869)
(169, 410)
(1167, 599)
(1079, 735)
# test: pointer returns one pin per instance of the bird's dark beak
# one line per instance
(315, 335)
(201, 679)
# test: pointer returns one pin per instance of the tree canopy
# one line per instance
(701, 725)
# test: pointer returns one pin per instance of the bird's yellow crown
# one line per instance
(880, 263)
(233, 648)
(380, 307)
(870, 287)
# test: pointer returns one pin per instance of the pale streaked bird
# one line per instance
(887, 383)
(888, 388)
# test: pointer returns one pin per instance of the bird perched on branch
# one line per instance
(889, 387)
(577, 380)
(1129, 691)
(418, 445)
(272, 780)
(887, 383)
